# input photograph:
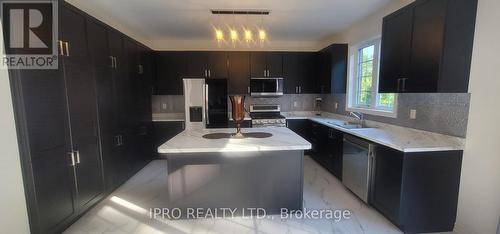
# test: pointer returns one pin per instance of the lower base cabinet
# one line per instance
(164, 131)
(418, 192)
(326, 143)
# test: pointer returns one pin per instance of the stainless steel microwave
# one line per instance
(266, 87)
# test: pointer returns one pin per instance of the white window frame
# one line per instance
(352, 82)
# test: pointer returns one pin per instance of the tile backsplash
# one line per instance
(443, 113)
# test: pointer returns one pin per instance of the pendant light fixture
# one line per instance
(249, 37)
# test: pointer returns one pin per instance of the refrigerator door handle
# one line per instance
(206, 105)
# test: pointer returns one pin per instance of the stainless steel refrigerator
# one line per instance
(206, 103)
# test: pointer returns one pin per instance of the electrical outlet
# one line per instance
(295, 104)
(336, 105)
(413, 114)
(164, 106)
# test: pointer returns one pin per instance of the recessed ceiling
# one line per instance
(165, 23)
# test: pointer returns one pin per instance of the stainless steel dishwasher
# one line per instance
(357, 166)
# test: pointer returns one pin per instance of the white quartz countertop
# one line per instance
(192, 141)
(396, 137)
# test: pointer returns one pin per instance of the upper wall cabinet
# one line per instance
(170, 67)
(427, 47)
(332, 69)
(266, 64)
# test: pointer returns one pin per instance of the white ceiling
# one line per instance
(165, 23)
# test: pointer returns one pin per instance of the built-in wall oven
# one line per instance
(358, 166)
(266, 87)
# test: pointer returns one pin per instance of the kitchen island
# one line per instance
(263, 171)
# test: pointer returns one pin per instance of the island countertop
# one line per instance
(192, 141)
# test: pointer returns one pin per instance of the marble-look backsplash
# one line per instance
(445, 113)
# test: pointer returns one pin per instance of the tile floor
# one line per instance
(127, 209)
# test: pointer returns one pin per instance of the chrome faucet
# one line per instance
(360, 116)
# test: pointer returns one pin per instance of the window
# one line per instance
(363, 93)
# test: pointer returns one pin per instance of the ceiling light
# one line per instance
(262, 35)
(248, 36)
(219, 35)
(234, 35)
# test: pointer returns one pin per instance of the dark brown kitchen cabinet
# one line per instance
(290, 72)
(396, 49)
(218, 65)
(427, 47)
(206, 65)
(73, 121)
(418, 191)
(266, 64)
(299, 69)
(82, 108)
(308, 82)
(332, 69)
(239, 72)
(164, 131)
(170, 69)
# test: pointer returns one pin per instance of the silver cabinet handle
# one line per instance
(404, 84)
(248, 89)
(116, 63)
(206, 105)
(112, 62)
(67, 48)
(209, 73)
(77, 153)
(300, 89)
(61, 49)
(72, 155)
(296, 89)
(140, 69)
(206, 73)
(265, 73)
(118, 141)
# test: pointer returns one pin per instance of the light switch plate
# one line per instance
(413, 114)
(164, 106)
(336, 105)
(295, 104)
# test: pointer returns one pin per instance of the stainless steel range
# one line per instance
(267, 116)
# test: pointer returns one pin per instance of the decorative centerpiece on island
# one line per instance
(238, 113)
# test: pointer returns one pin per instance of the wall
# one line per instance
(13, 211)
(479, 199)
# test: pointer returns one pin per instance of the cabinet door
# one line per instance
(427, 46)
(80, 90)
(239, 72)
(40, 97)
(217, 65)
(197, 65)
(395, 50)
(171, 66)
(387, 179)
(307, 73)
(100, 52)
(164, 131)
(290, 72)
(324, 66)
(335, 146)
(258, 64)
(275, 64)
(338, 72)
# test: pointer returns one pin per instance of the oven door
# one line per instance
(266, 87)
